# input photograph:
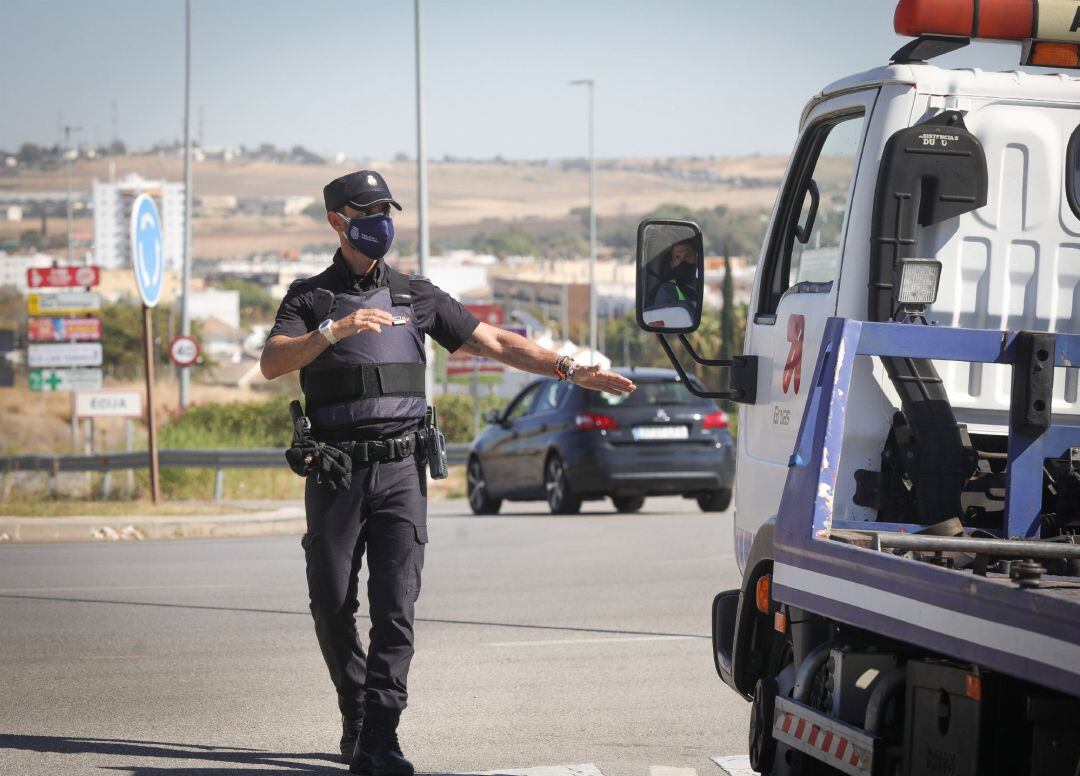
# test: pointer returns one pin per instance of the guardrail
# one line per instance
(219, 460)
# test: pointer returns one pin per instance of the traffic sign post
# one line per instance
(62, 380)
(184, 351)
(149, 265)
(62, 277)
(63, 329)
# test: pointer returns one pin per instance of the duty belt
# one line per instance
(379, 450)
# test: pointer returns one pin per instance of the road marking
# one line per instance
(667, 770)
(559, 642)
(588, 769)
(738, 765)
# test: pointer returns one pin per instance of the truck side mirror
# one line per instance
(670, 276)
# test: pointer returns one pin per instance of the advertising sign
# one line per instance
(108, 404)
(62, 277)
(57, 380)
(183, 351)
(63, 303)
(147, 256)
(63, 329)
(67, 354)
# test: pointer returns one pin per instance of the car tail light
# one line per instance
(716, 420)
(588, 421)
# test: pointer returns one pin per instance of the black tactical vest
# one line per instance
(370, 385)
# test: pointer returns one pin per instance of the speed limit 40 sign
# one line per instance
(183, 351)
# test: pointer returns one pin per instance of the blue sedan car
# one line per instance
(558, 442)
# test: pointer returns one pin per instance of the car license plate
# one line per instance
(653, 433)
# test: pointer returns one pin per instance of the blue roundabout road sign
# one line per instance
(147, 255)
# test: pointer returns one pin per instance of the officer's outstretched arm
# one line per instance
(516, 351)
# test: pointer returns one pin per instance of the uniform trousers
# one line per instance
(383, 513)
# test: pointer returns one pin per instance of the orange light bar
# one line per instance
(988, 19)
(761, 593)
(973, 688)
(1053, 55)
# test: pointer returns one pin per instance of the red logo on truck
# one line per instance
(793, 366)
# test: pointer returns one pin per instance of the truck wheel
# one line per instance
(561, 500)
(628, 503)
(476, 489)
(762, 743)
(715, 500)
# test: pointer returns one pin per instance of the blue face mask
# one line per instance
(371, 235)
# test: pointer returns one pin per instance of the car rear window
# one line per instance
(654, 392)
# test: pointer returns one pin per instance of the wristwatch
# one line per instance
(324, 329)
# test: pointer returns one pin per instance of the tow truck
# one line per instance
(910, 599)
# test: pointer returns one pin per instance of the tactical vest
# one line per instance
(370, 385)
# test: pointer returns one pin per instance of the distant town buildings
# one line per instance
(112, 220)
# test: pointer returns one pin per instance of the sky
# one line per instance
(673, 77)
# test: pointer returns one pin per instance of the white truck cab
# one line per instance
(921, 206)
(1013, 263)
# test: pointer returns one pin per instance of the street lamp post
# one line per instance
(185, 276)
(592, 218)
(421, 151)
(68, 129)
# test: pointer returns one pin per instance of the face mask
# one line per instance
(371, 235)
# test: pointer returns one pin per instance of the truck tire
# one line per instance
(762, 743)
(715, 500)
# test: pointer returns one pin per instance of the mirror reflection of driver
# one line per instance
(677, 276)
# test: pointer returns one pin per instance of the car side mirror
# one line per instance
(670, 276)
(492, 417)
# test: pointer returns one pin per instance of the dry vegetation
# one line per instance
(461, 193)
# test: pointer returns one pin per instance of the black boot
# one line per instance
(350, 732)
(378, 753)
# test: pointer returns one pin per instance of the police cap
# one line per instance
(360, 189)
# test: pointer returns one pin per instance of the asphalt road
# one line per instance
(542, 641)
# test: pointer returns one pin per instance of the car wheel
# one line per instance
(561, 500)
(715, 500)
(628, 503)
(476, 488)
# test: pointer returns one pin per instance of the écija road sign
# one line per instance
(183, 351)
(62, 277)
(63, 329)
(108, 404)
(63, 303)
(65, 354)
(57, 380)
(147, 256)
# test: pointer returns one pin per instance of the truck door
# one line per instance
(795, 292)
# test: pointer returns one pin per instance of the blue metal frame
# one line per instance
(807, 503)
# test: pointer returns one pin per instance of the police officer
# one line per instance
(356, 333)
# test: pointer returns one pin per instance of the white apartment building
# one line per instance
(112, 220)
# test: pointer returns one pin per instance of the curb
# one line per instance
(90, 528)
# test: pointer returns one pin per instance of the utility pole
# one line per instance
(68, 129)
(185, 283)
(421, 150)
(592, 218)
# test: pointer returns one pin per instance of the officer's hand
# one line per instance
(596, 379)
(361, 320)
